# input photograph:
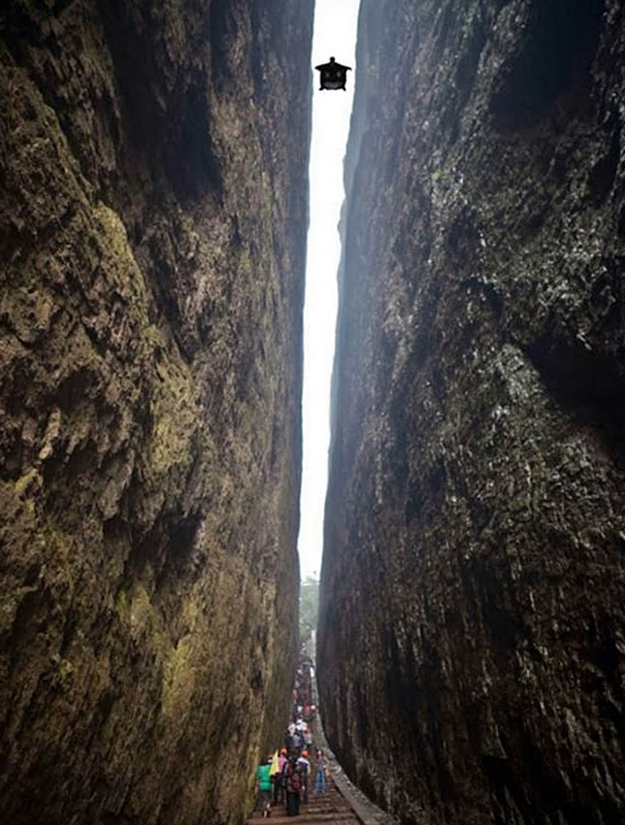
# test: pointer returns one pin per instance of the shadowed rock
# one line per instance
(471, 643)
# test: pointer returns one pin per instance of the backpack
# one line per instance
(293, 779)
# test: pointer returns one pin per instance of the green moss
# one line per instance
(141, 611)
(175, 416)
(62, 678)
(121, 601)
(122, 263)
(187, 224)
(31, 479)
(155, 337)
(178, 680)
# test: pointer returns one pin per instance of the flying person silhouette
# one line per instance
(333, 75)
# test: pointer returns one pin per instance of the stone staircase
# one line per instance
(329, 808)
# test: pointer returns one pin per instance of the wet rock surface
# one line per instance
(472, 645)
(153, 210)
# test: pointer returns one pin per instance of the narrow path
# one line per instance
(343, 803)
(329, 808)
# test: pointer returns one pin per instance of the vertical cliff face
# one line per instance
(153, 210)
(472, 644)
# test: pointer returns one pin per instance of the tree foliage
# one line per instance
(308, 607)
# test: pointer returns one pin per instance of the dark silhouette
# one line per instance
(333, 75)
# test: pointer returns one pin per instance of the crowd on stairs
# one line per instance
(286, 776)
(285, 779)
(296, 779)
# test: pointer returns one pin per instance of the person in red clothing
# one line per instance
(293, 785)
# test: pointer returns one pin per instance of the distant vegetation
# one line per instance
(308, 607)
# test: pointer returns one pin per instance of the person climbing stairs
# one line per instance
(329, 796)
(323, 808)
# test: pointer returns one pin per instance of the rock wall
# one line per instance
(471, 653)
(153, 211)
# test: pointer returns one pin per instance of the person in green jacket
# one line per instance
(263, 786)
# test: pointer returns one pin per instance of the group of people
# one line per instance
(286, 775)
(284, 778)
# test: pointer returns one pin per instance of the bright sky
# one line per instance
(334, 36)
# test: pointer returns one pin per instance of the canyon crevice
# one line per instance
(471, 656)
(153, 214)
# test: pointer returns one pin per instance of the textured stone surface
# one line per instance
(153, 209)
(471, 646)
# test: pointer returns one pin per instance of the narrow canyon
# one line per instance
(153, 220)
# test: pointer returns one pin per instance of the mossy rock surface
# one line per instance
(153, 214)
